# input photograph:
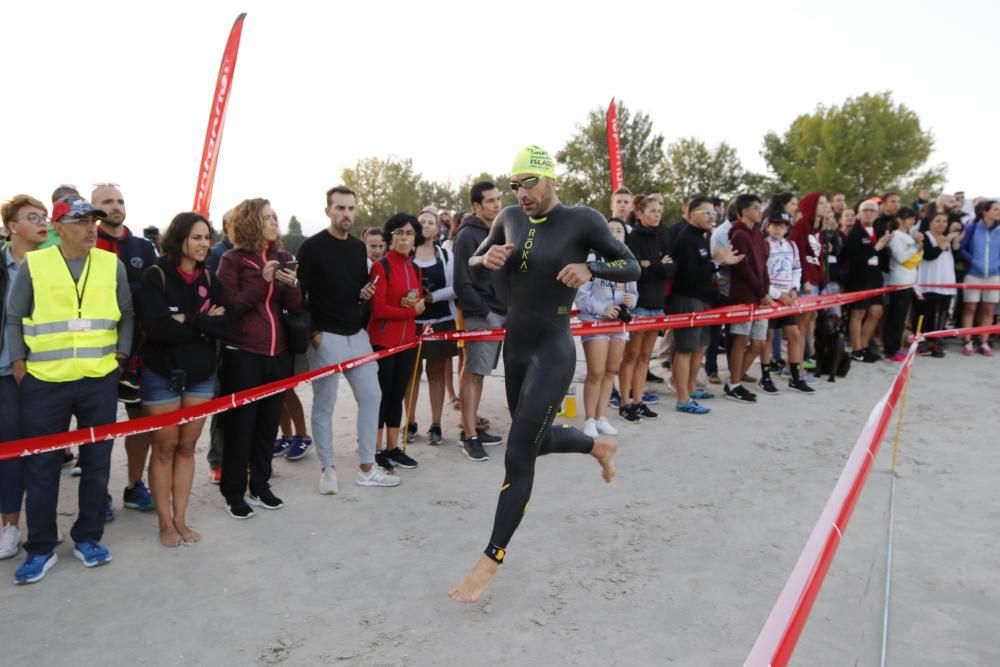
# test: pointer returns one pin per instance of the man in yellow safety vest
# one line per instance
(69, 327)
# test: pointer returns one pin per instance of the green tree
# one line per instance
(384, 187)
(691, 168)
(464, 189)
(585, 167)
(294, 238)
(868, 144)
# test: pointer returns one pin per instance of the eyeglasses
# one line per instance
(106, 185)
(527, 183)
(403, 232)
(37, 218)
(85, 220)
(710, 212)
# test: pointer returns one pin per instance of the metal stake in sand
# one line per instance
(892, 510)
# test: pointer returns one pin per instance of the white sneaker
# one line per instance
(377, 476)
(10, 541)
(605, 427)
(590, 428)
(328, 481)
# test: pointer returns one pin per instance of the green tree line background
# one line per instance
(864, 146)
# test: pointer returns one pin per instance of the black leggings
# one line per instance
(394, 375)
(538, 370)
(895, 319)
(934, 309)
(249, 430)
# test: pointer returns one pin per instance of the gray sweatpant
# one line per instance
(334, 349)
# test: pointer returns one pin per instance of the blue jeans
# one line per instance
(11, 470)
(46, 408)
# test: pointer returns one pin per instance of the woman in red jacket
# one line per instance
(259, 284)
(807, 234)
(397, 303)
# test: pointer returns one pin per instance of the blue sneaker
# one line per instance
(649, 398)
(137, 498)
(616, 399)
(92, 553)
(34, 568)
(281, 446)
(109, 511)
(298, 448)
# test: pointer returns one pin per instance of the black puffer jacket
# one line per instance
(650, 243)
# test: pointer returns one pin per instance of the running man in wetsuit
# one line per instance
(543, 246)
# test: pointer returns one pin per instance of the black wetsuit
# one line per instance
(539, 353)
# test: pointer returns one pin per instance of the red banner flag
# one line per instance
(216, 121)
(614, 148)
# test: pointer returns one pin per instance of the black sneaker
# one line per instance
(766, 385)
(265, 499)
(130, 380)
(238, 509)
(128, 395)
(399, 458)
(777, 366)
(383, 461)
(858, 355)
(801, 385)
(650, 377)
(484, 436)
(411, 432)
(434, 436)
(740, 394)
(473, 449)
(869, 356)
(627, 412)
(67, 457)
(643, 411)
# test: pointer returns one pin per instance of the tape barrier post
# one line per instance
(781, 631)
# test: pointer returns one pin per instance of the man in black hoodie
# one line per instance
(482, 296)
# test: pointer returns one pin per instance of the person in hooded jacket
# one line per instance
(807, 235)
(258, 288)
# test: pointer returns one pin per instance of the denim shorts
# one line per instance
(155, 389)
(620, 335)
(647, 312)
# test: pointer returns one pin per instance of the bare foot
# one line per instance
(604, 451)
(474, 585)
(169, 537)
(187, 533)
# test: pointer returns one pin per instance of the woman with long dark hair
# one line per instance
(260, 283)
(183, 314)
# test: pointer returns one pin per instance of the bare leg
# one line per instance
(436, 388)
(968, 314)
(161, 475)
(854, 328)
(596, 352)
(629, 361)
(449, 379)
(615, 350)
(693, 372)
(136, 449)
(642, 365)
(184, 471)
(870, 325)
(756, 348)
(471, 387)
(680, 369)
(736, 356)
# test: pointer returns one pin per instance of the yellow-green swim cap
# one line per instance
(534, 160)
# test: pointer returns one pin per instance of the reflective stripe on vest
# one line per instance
(72, 332)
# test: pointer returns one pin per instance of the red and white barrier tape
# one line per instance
(778, 637)
(712, 317)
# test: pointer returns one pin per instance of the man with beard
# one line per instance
(136, 253)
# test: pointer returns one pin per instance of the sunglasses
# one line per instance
(710, 212)
(527, 183)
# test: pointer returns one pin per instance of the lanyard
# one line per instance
(77, 288)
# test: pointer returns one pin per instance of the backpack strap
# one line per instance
(385, 267)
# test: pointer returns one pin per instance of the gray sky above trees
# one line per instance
(114, 91)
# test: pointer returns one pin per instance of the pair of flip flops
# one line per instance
(692, 407)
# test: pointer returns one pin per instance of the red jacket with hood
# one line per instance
(391, 324)
(254, 305)
(810, 242)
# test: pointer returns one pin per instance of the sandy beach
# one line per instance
(678, 561)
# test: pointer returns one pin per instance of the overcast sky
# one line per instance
(117, 92)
